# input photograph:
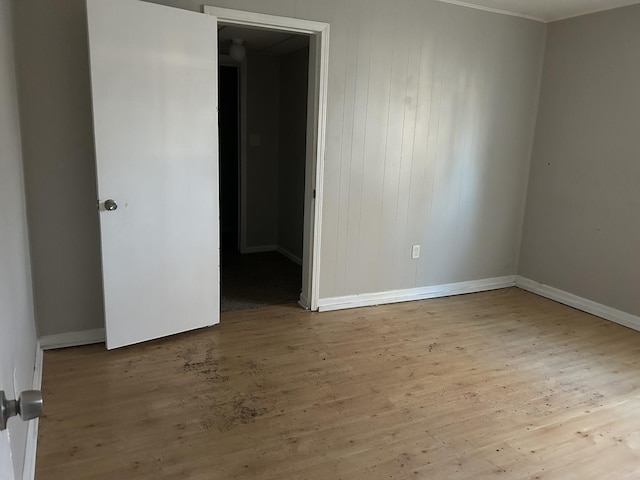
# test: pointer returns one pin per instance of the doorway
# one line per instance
(229, 153)
(255, 180)
(262, 190)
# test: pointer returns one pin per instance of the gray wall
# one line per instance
(263, 77)
(294, 69)
(582, 227)
(59, 163)
(276, 113)
(431, 115)
(18, 335)
(431, 109)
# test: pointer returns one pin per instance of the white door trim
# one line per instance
(316, 130)
(262, 20)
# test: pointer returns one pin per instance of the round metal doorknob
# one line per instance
(30, 404)
(110, 205)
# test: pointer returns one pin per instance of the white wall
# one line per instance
(430, 120)
(18, 337)
(582, 228)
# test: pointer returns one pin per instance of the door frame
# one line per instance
(318, 33)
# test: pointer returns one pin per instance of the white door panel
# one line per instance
(6, 468)
(154, 89)
(6, 465)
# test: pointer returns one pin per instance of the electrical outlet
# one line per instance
(415, 251)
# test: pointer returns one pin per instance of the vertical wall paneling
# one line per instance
(358, 138)
(424, 145)
(428, 135)
(376, 130)
(398, 100)
(331, 198)
(349, 20)
(403, 271)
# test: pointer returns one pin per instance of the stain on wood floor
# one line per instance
(501, 384)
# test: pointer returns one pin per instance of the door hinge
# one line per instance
(314, 193)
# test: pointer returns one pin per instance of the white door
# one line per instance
(6, 466)
(154, 89)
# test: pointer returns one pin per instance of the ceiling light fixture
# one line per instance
(237, 50)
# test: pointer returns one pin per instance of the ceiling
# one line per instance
(270, 42)
(546, 10)
(264, 42)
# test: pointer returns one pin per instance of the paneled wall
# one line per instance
(430, 123)
(582, 229)
(431, 114)
(17, 333)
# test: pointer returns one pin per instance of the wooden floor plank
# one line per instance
(501, 384)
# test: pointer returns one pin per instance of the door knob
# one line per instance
(28, 406)
(110, 205)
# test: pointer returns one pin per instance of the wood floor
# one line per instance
(501, 384)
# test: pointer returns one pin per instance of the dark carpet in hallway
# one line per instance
(257, 280)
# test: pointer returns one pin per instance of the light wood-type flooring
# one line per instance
(501, 384)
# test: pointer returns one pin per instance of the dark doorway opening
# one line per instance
(262, 134)
(228, 119)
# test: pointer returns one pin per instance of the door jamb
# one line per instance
(316, 130)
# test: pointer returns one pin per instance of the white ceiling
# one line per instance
(546, 10)
(263, 42)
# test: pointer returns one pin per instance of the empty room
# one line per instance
(449, 188)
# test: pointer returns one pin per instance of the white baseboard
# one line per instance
(421, 293)
(589, 306)
(273, 248)
(29, 467)
(304, 301)
(72, 339)
(259, 249)
(289, 255)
